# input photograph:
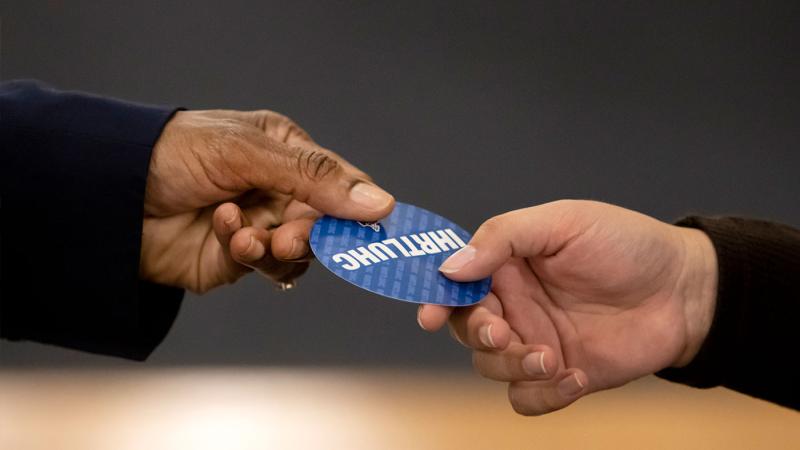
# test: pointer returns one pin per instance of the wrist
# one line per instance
(697, 291)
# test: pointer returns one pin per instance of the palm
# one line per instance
(602, 303)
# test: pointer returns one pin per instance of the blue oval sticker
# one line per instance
(398, 257)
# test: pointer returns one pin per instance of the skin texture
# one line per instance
(229, 191)
(586, 296)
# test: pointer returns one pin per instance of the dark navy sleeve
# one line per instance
(73, 169)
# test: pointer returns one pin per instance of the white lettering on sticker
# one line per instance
(381, 251)
(443, 240)
(424, 243)
(364, 256)
(414, 251)
(352, 264)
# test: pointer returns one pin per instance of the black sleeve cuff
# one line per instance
(752, 335)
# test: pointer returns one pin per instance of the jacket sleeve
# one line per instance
(752, 343)
(73, 169)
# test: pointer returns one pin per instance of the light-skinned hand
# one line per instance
(586, 296)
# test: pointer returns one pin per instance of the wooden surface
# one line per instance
(363, 409)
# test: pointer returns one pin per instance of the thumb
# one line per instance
(320, 178)
(537, 231)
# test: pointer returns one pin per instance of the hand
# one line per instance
(232, 191)
(586, 296)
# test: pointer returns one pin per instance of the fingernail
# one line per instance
(570, 386)
(419, 318)
(485, 335)
(255, 249)
(533, 364)
(249, 245)
(458, 260)
(370, 196)
(234, 215)
(293, 252)
(455, 336)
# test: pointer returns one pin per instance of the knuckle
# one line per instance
(226, 135)
(266, 118)
(281, 127)
(565, 203)
(492, 225)
(224, 151)
(294, 131)
(274, 115)
(481, 366)
(565, 209)
(315, 164)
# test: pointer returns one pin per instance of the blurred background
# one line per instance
(468, 109)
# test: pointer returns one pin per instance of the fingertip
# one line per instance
(495, 334)
(432, 317)
(452, 266)
(290, 248)
(373, 203)
(419, 318)
(290, 240)
(480, 328)
(550, 362)
(533, 398)
(582, 379)
(475, 261)
(574, 384)
(540, 363)
(253, 251)
(500, 333)
(387, 208)
(227, 218)
(247, 246)
(240, 241)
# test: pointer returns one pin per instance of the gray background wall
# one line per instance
(466, 108)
